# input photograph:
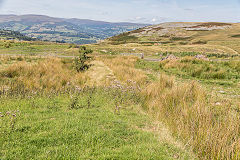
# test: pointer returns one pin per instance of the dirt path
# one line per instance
(100, 74)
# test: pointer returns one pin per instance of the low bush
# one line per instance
(81, 63)
(199, 42)
(7, 44)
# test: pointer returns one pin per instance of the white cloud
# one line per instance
(154, 20)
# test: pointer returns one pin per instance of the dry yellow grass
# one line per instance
(124, 69)
(48, 74)
(211, 129)
(99, 74)
(212, 47)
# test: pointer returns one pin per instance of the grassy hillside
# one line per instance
(201, 37)
(180, 101)
(80, 31)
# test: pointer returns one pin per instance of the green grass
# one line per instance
(236, 36)
(34, 48)
(47, 128)
(222, 73)
(123, 38)
(146, 65)
(218, 77)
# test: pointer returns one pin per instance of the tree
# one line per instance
(82, 61)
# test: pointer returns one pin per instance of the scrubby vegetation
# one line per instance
(203, 69)
(123, 38)
(177, 103)
(49, 74)
(236, 36)
(211, 128)
(193, 87)
(82, 61)
(49, 111)
(219, 72)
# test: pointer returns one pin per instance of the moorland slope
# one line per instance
(186, 36)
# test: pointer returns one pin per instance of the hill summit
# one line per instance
(181, 33)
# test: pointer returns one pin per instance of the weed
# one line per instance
(8, 121)
(74, 102)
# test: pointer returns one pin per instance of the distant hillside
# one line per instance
(181, 33)
(13, 35)
(74, 30)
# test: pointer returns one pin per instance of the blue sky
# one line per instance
(143, 11)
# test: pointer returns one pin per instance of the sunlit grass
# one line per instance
(48, 128)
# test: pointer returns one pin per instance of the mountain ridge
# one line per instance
(71, 30)
(28, 16)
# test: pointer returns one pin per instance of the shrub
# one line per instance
(7, 45)
(179, 38)
(199, 42)
(81, 62)
(73, 46)
(183, 43)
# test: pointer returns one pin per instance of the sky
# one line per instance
(139, 11)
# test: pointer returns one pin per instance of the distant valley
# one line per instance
(79, 31)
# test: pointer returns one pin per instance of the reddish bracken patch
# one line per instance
(210, 24)
(138, 30)
(158, 28)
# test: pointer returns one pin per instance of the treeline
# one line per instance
(67, 34)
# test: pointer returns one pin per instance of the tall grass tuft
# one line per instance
(48, 74)
(124, 69)
(211, 130)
